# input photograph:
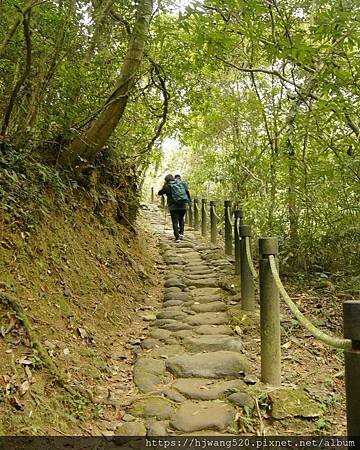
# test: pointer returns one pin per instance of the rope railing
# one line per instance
(336, 342)
(203, 217)
(229, 215)
(249, 259)
(196, 214)
(238, 220)
(247, 285)
(271, 289)
(218, 218)
(228, 228)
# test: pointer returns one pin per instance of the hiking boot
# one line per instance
(177, 239)
(181, 236)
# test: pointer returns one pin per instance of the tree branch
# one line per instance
(267, 71)
(24, 76)
(27, 8)
(117, 17)
(166, 98)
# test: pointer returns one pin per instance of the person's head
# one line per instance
(177, 176)
(169, 178)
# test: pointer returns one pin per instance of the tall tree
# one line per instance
(88, 144)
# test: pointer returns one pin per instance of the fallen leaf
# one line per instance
(24, 387)
(82, 332)
(28, 372)
(238, 330)
(24, 361)
(66, 351)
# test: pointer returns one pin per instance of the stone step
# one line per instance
(215, 306)
(207, 389)
(208, 318)
(196, 416)
(212, 343)
(204, 282)
(213, 329)
(183, 296)
(206, 291)
(208, 365)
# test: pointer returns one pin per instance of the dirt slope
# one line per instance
(80, 281)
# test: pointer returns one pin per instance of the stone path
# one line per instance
(191, 373)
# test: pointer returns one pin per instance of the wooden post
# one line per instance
(203, 218)
(247, 282)
(191, 217)
(186, 218)
(196, 214)
(213, 222)
(351, 314)
(152, 195)
(238, 221)
(269, 315)
(228, 228)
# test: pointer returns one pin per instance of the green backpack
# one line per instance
(178, 192)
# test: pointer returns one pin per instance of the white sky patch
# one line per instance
(85, 20)
(300, 13)
(173, 153)
(170, 144)
(173, 157)
(180, 5)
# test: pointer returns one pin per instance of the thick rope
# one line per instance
(249, 258)
(229, 216)
(212, 208)
(344, 344)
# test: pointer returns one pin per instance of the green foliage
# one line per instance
(23, 181)
(235, 127)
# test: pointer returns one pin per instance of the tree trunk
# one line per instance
(87, 146)
(292, 197)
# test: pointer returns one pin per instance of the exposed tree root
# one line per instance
(48, 362)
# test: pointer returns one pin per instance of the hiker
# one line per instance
(178, 197)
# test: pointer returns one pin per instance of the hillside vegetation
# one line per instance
(259, 101)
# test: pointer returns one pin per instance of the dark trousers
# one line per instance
(177, 218)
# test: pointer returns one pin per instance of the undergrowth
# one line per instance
(25, 187)
(71, 257)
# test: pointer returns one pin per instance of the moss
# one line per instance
(293, 403)
(152, 407)
(242, 318)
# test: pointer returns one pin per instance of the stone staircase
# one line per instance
(191, 373)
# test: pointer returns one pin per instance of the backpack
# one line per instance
(178, 192)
